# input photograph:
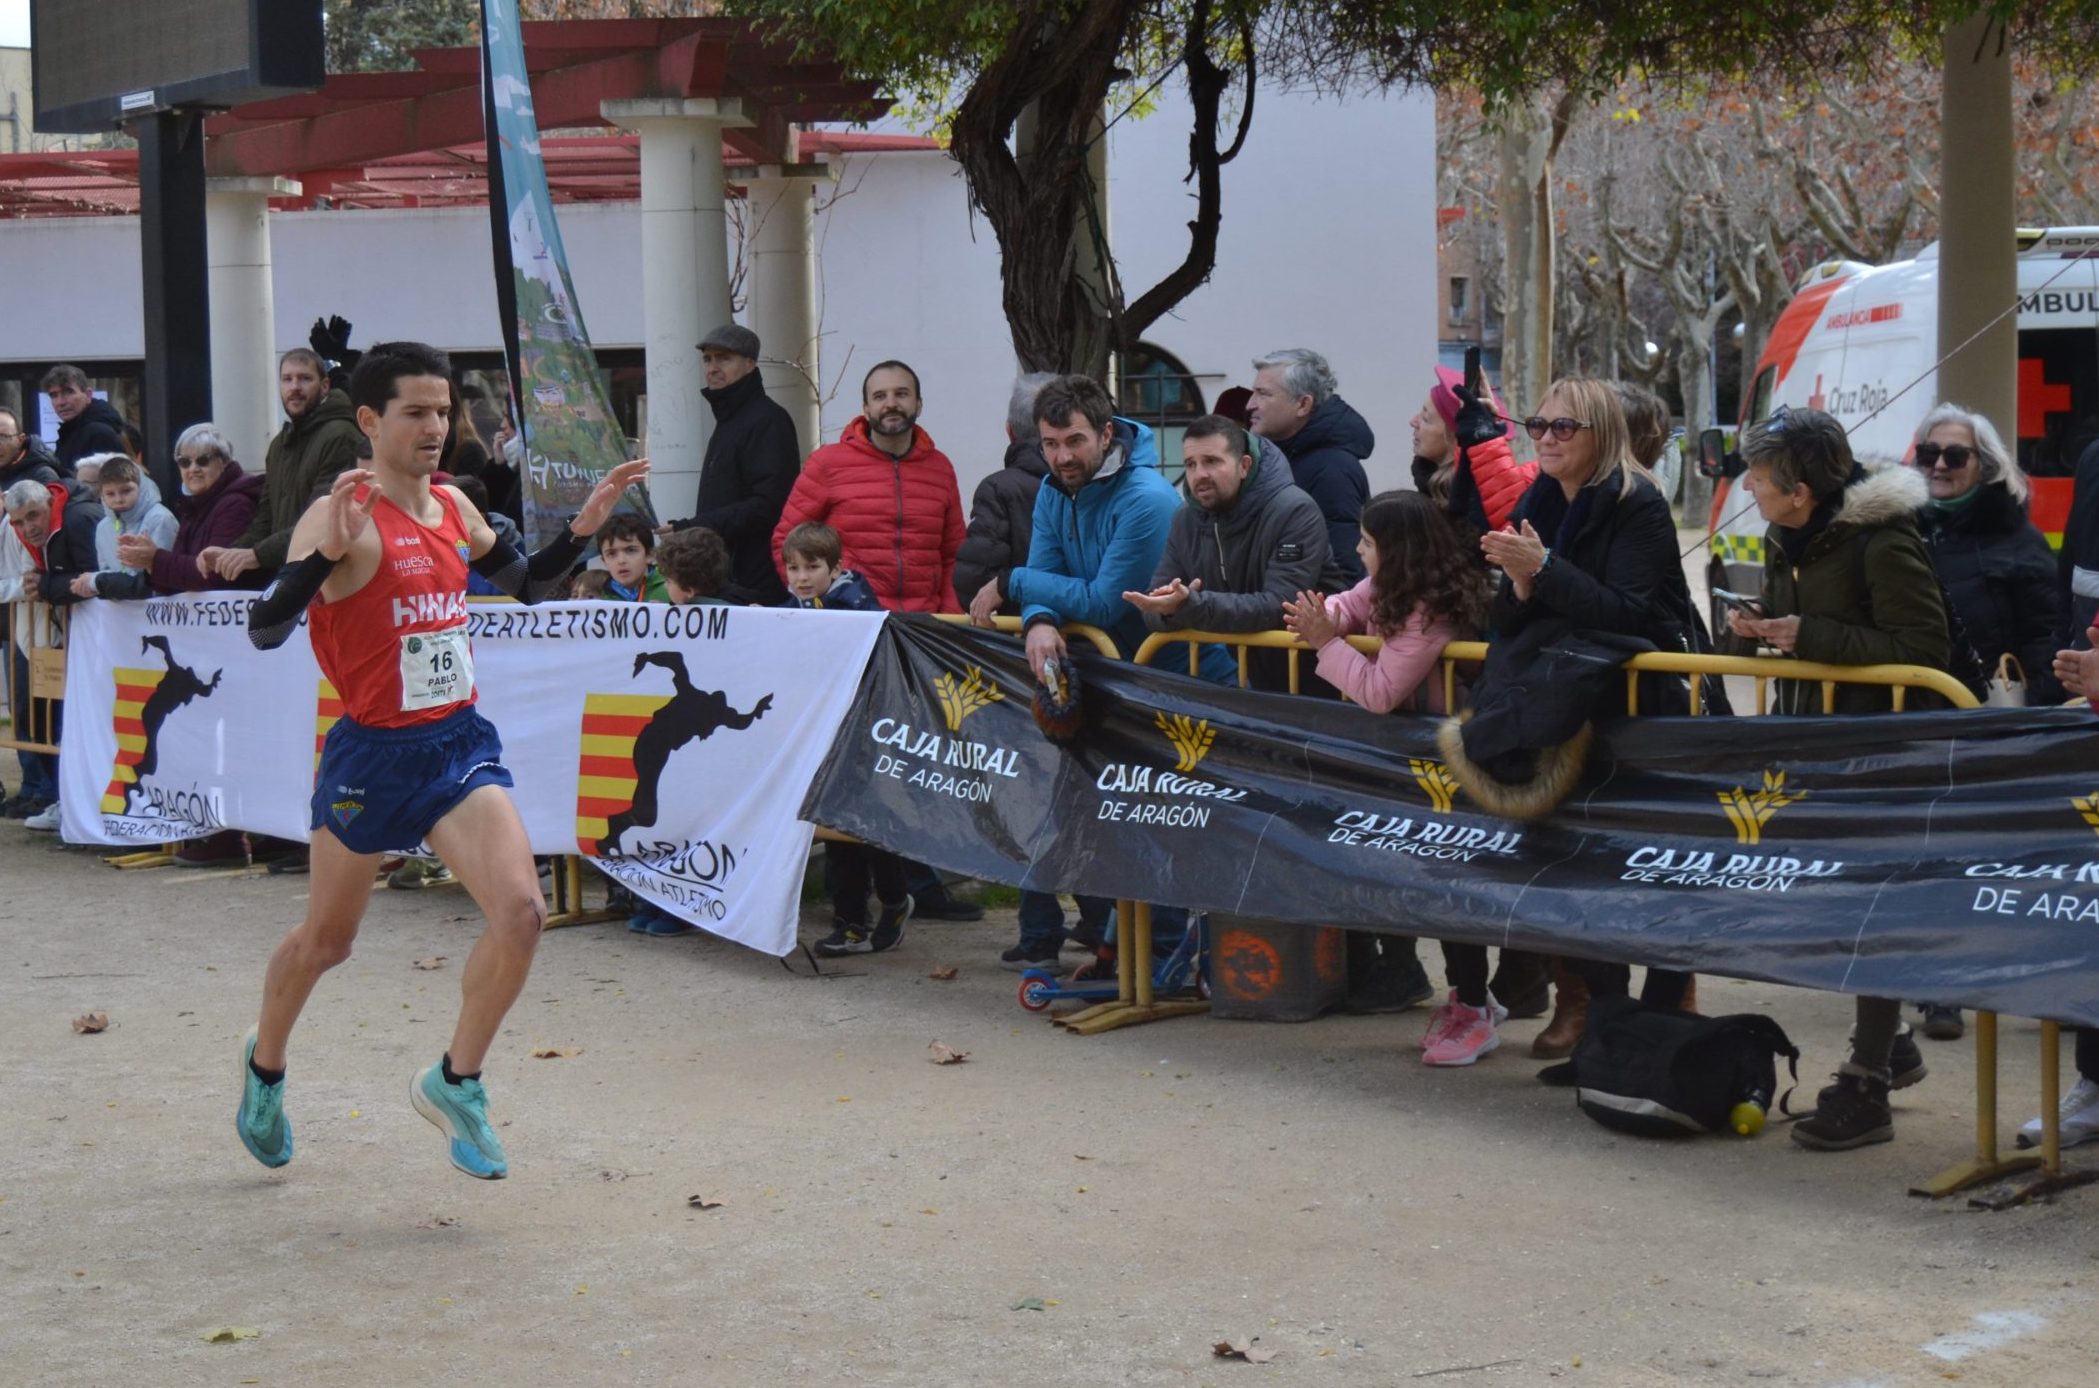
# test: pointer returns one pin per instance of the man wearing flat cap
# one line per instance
(750, 467)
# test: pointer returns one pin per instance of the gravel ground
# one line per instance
(886, 1220)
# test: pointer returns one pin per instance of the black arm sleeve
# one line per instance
(529, 580)
(275, 615)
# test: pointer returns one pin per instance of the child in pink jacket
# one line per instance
(1424, 591)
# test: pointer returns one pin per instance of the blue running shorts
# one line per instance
(382, 790)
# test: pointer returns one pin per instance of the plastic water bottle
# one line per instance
(1747, 1116)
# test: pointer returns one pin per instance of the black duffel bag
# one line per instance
(1658, 1072)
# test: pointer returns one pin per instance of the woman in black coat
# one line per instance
(1994, 564)
(1591, 548)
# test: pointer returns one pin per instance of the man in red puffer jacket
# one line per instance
(890, 495)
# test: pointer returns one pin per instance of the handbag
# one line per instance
(2007, 687)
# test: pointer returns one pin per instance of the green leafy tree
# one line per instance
(378, 35)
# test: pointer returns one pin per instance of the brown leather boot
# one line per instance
(1570, 1013)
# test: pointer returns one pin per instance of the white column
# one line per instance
(243, 324)
(780, 293)
(684, 277)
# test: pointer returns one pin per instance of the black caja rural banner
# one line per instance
(1951, 856)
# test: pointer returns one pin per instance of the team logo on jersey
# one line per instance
(2088, 806)
(144, 700)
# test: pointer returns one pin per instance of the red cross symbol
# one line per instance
(1814, 402)
(2038, 399)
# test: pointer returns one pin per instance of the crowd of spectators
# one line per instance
(1272, 527)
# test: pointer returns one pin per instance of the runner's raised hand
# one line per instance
(597, 508)
(347, 516)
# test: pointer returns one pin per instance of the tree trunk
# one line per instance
(1530, 137)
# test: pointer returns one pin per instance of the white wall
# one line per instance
(1328, 242)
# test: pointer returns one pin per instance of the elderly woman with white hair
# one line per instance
(1994, 564)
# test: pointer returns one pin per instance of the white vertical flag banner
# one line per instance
(669, 745)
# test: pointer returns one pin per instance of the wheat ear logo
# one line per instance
(960, 698)
(1436, 783)
(1749, 811)
(1191, 738)
(2089, 808)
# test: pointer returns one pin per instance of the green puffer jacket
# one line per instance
(1865, 593)
(303, 462)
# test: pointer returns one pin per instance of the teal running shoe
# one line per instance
(460, 1112)
(264, 1130)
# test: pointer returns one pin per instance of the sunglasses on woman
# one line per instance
(1562, 428)
(1956, 456)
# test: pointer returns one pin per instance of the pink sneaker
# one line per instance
(1469, 1035)
(1439, 1020)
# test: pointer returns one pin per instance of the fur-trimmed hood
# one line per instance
(1891, 494)
(1555, 771)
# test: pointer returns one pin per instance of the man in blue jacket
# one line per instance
(1294, 406)
(1100, 526)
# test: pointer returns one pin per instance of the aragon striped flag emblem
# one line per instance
(605, 775)
(134, 687)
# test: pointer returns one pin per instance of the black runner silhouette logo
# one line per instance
(628, 740)
(144, 700)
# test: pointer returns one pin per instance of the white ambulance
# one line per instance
(1855, 335)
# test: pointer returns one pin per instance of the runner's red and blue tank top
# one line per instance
(396, 650)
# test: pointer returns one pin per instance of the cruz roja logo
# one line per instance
(1425, 836)
(2053, 904)
(627, 742)
(1191, 738)
(957, 767)
(959, 698)
(144, 699)
(1750, 811)
(1172, 799)
(1436, 783)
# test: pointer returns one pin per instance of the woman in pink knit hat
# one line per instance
(1462, 457)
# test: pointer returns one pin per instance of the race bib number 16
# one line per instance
(437, 668)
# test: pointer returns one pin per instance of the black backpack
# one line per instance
(1657, 1072)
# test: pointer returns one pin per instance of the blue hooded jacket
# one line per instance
(1086, 551)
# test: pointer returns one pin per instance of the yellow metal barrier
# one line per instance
(36, 632)
(1988, 1164)
(1073, 631)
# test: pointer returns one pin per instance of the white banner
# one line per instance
(670, 745)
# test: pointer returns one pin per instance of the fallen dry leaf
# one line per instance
(555, 1052)
(1242, 1349)
(946, 973)
(440, 1222)
(704, 1202)
(227, 1334)
(435, 961)
(940, 1053)
(89, 1023)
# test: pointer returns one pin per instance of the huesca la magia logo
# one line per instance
(1191, 738)
(1750, 811)
(144, 699)
(628, 740)
(959, 698)
(1436, 783)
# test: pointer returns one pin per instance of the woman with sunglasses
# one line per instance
(1592, 546)
(1995, 566)
(218, 501)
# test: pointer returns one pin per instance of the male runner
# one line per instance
(382, 561)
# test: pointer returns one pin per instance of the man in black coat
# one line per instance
(86, 425)
(22, 454)
(1002, 513)
(750, 467)
(1294, 406)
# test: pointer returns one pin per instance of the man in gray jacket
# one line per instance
(1246, 541)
